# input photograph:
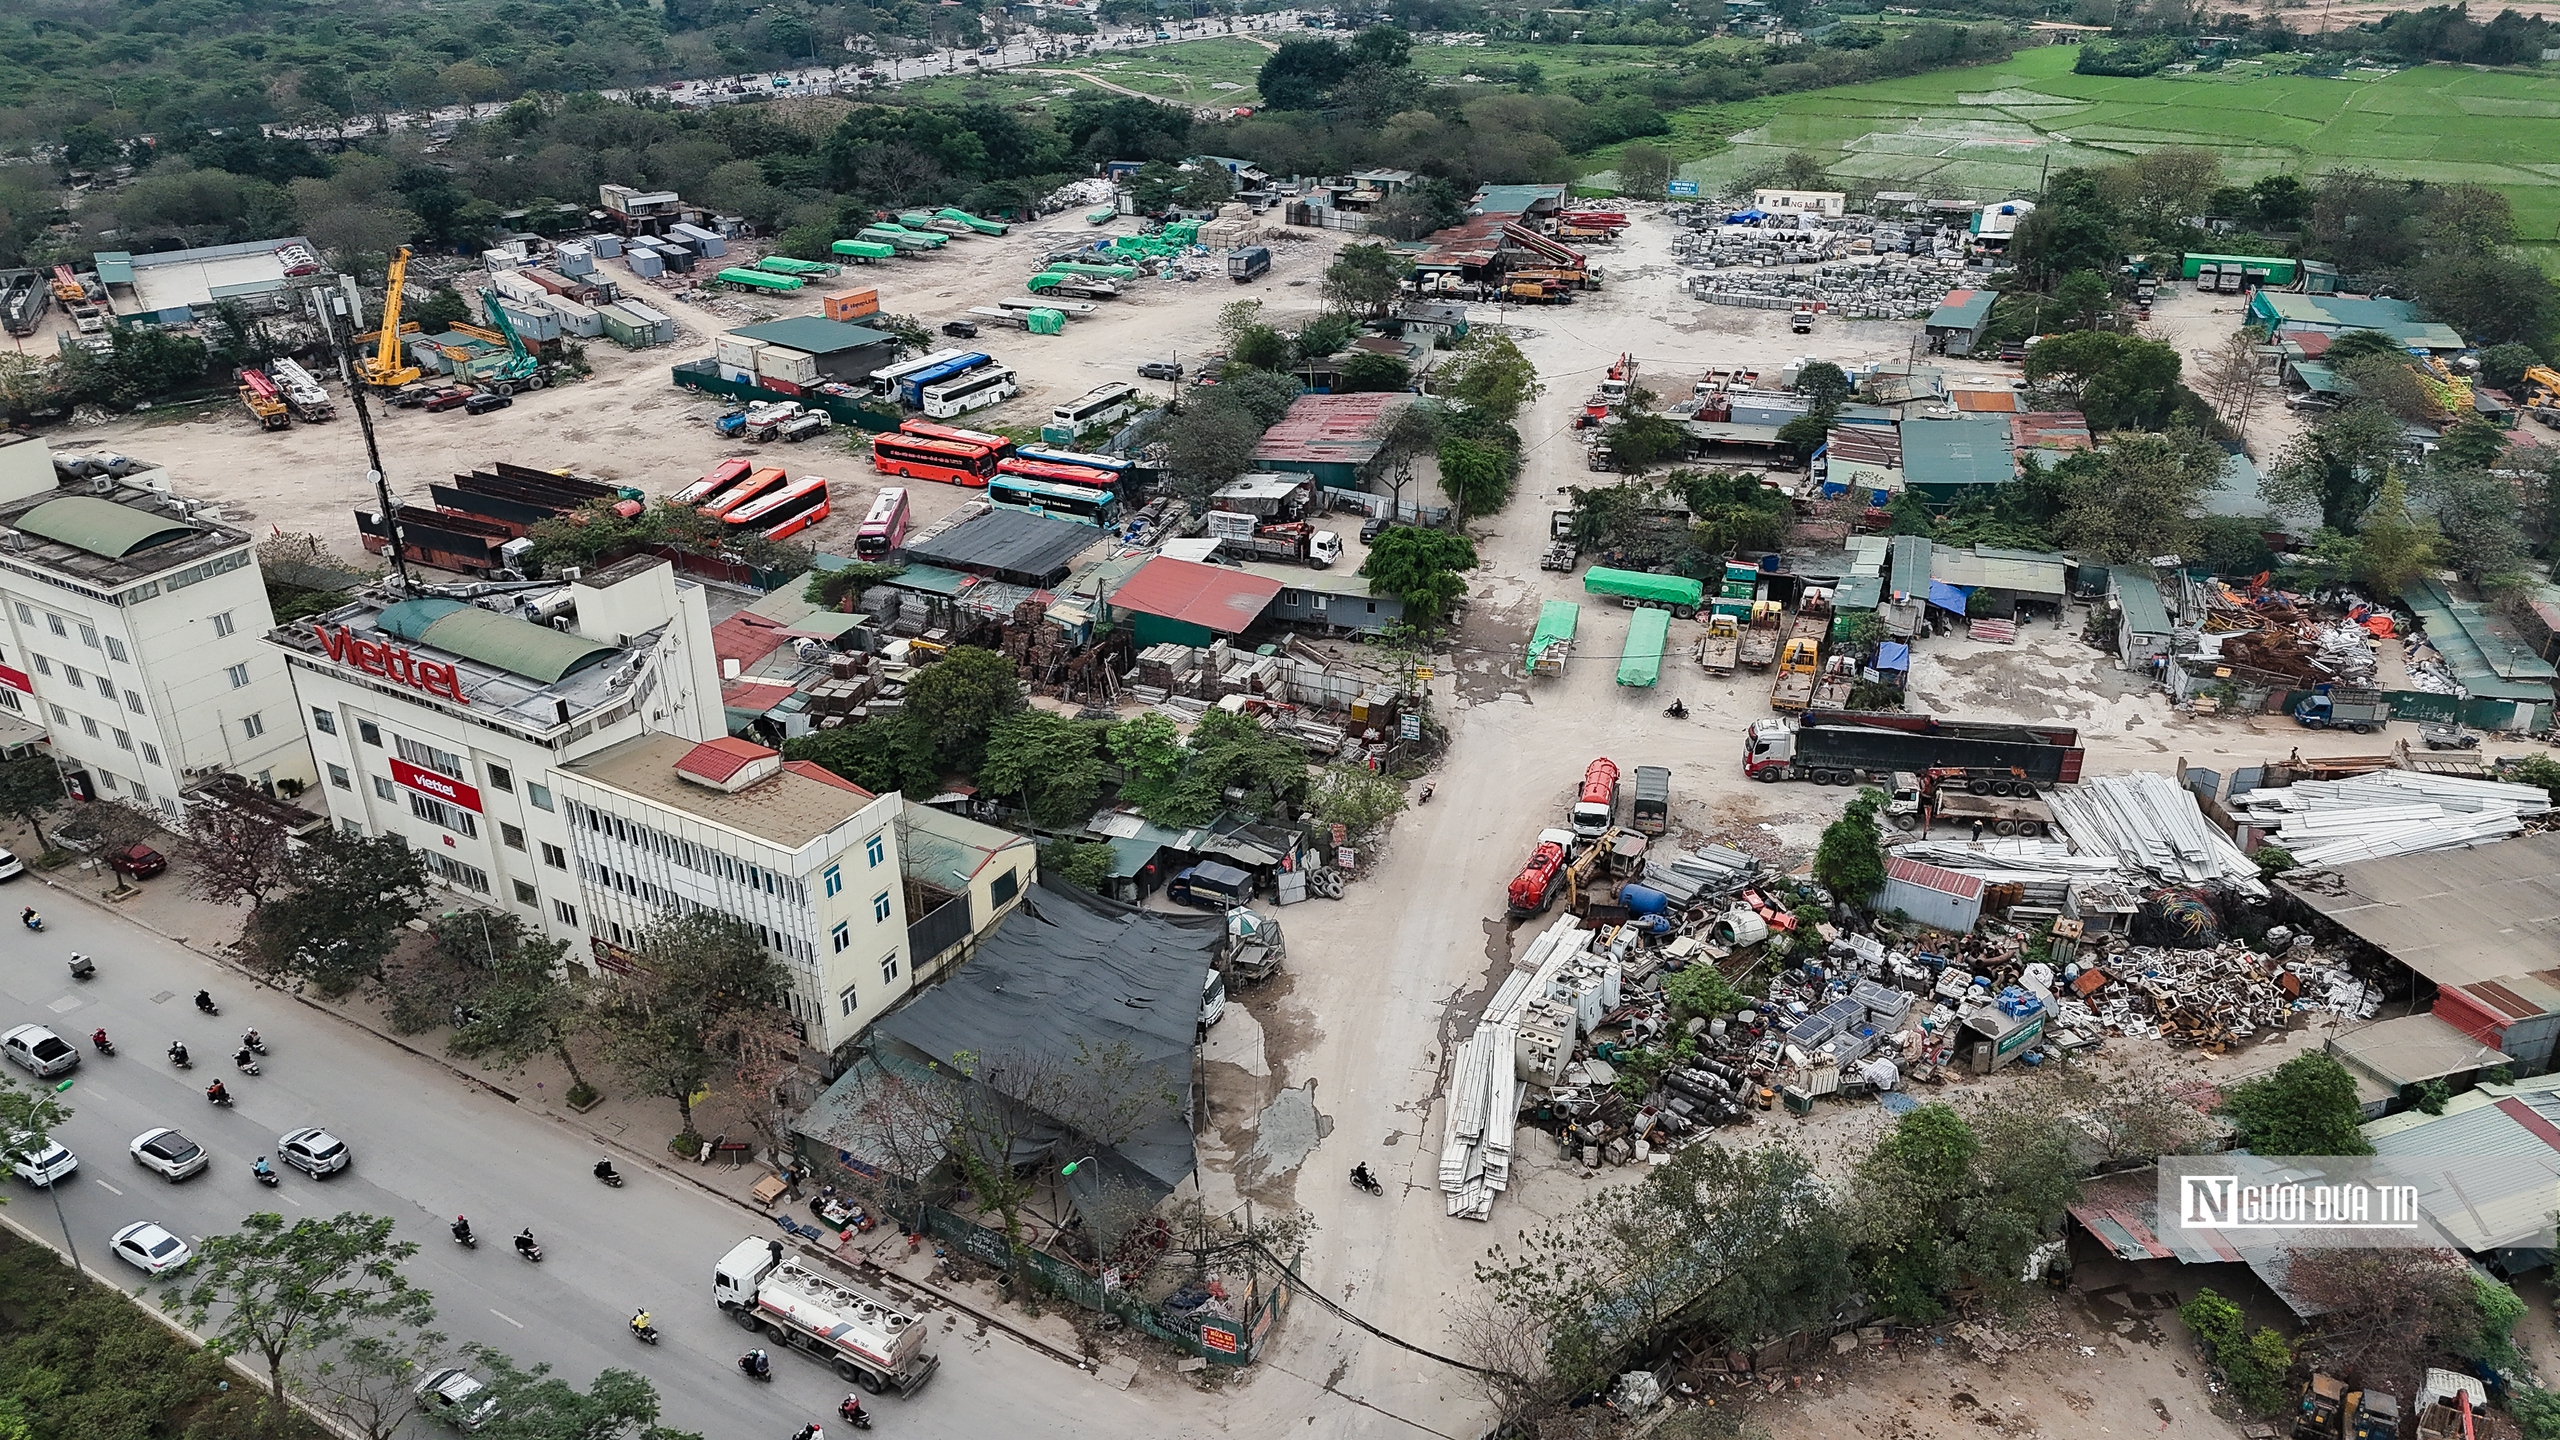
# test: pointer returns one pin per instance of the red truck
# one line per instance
(1534, 888)
(1595, 805)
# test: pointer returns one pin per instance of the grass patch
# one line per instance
(1221, 71)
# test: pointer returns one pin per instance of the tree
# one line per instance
(2085, 295)
(1850, 860)
(1367, 372)
(1382, 45)
(1404, 434)
(2397, 546)
(1476, 476)
(2306, 1106)
(1420, 567)
(1209, 446)
(1148, 750)
(1053, 763)
(961, 696)
(370, 1383)
(2256, 1365)
(2482, 525)
(2137, 497)
(2335, 464)
(230, 855)
(1640, 441)
(30, 386)
(1354, 798)
(2231, 379)
(1644, 170)
(110, 828)
(346, 898)
(2122, 382)
(28, 1119)
(2391, 382)
(1366, 278)
(1260, 347)
(1301, 73)
(537, 1405)
(1324, 335)
(1488, 374)
(1233, 752)
(2504, 365)
(881, 754)
(535, 1001)
(703, 992)
(1824, 385)
(443, 309)
(29, 790)
(1948, 1200)
(2490, 297)
(1078, 862)
(283, 1291)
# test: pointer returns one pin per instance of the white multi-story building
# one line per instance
(129, 630)
(442, 723)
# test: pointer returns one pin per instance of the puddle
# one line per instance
(1286, 1131)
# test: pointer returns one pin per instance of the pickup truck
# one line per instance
(1723, 642)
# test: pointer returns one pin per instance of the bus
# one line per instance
(980, 388)
(1098, 406)
(911, 388)
(931, 431)
(784, 512)
(1084, 506)
(918, 458)
(767, 479)
(722, 476)
(885, 528)
(1051, 473)
(884, 381)
(1111, 465)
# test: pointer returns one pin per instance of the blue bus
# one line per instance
(1098, 508)
(1113, 465)
(911, 388)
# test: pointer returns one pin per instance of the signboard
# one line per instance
(1341, 834)
(1231, 524)
(441, 786)
(1409, 726)
(393, 663)
(16, 680)
(1110, 1278)
(2017, 1040)
(1345, 859)
(1218, 1338)
(1681, 187)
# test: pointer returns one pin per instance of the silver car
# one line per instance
(457, 1397)
(42, 1052)
(314, 1151)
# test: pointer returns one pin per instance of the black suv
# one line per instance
(1161, 370)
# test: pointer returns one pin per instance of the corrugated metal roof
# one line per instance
(2454, 916)
(1963, 309)
(519, 647)
(1213, 597)
(1328, 429)
(2036, 574)
(1909, 574)
(2138, 595)
(1964, 450)
(2410, 1049)
(815, 334)
(1986, 401)
(1931, 877)
(102, 527)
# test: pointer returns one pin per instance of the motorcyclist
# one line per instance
(755, 1363)
(462, 1227)
(217, 1094)
(251, 1038)
(204, 1001)
(851, 1409)
(261, 1168)
(604, 1170)
(178, 1051)
(29, 918)
(810, 1431)
(524, 1242)
(1361, 1177)
(640, 1322)
(98, 1037)
(243, 1061)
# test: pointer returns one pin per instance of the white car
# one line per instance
(151, 1249)
(457, 1397)
(10, 869)
(174, 1155)
(43, 1053)
(42, 1165)
(314, 1151)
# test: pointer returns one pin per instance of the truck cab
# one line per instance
(1769, 750)
(1323, 548)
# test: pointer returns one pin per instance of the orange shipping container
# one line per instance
(852, 305)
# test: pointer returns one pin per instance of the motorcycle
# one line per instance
(645, 1334)
(1426, 795)
(755, 1366)
(204, 1002)
(178, 1057)
(254, 1041)
(462, 1235)
(852, 1413)
(243, 1062)
(82, 967)
(1361, 1177)
(31, 919)
(526, 1249)
(217, 1094)
(102, 1044)
(606, 1173)
(1677, 710)
(265, 1172)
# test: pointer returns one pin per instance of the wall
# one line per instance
(1312, 605)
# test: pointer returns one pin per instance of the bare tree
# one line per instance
(2231, 376)
(369, 1385)
(232, 855)
(110, 828)
(1512, 1374)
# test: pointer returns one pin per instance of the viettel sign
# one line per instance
(392, 662)
(443, 787)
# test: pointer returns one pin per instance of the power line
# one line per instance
(1326, 1301)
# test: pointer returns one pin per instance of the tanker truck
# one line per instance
(870, 1342)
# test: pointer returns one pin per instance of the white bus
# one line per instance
(1098, 406)
(976, 390)
(884, 381)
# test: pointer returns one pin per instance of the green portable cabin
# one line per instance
(1045, 322)
(1675, 592)
(1642, 662)
(1103, 272)
(758, 280)
(963, 217)
(2273, 270)
(864, 250)
(1551, 642)
(806, 269)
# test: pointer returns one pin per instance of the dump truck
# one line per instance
(1534, 888)
(1641, 663)
(1249, 263)
(1595, 801)
(1760, 638)
(2341, 707)
(1938, 797)
(1801, 322)
(2373, 1415)
(869, 1342)
(1722, 644)
(1637, 589)
(1837, 682)
(2324, 1400)
(1798, 665)
(1845, 747)
(1551, 641)
(1651, 812)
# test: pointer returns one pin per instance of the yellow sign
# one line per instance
(1421, 672)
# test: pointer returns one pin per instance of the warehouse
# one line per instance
(177, 287)
(1957, 325)
(1006, 545)
(2338, 314)
(1944, 461)
(1180, 602)
(1327, 437)
(843, 351)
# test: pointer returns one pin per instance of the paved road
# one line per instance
(429, 1146)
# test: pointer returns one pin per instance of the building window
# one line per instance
(115, 648)
(880, 906)
(555, 857)
(107, 781)
(88, 727)
(451, 817)
(443, 762)
(845, 998)
(338, 776)
(89, 637)
(540, 795)
(72, 674)
(525, 895)
(54, 624)
(843, 934)
(25, 615)
(568, 914)
(9, 698)
(500, 778)
(253, 726)
(43, 666)
(150, 753)
(124, 740)
(382, 789)
(239, 675)
(140, 795)
(133, 701)
(324, 722)
(60, 716)
(352, 827)
(1005, 888)
(513, 836)
(889, 968)
(876, 849)
(466, 876)
(368, 732)
(835, 879)
(107, 688)
(222, 624)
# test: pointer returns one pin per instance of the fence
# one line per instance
(704, 375)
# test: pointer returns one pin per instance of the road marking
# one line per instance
(110, 1189)
(510, 1319)
(296, 1204)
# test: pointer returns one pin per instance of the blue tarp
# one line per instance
(1948, 597)
(1893, 655)
(1745, 217)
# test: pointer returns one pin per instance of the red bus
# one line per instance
(723, 475)
(1057, 474)
(885, 528)
(784, 512)
(950, 461)
(931, 430)
(767, 479)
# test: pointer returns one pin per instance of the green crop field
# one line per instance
(1218, 72)
(1991, 131)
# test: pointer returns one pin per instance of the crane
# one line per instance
(388, 368)
(521, 366)
(2546, 383)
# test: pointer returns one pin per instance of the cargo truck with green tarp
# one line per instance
(864, 250)
(758, 280)
(806, 269)
(1551, 642)
(1642, 662)
(1636, 589)
(978, 223)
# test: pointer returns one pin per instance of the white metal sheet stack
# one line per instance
(2389, 812)
(1486, 1090)
(2149, 823)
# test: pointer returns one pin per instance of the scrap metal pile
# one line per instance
(2148, 824)
(2281, 634)
(1860, 287)
(2388, 812)
(2212, 998)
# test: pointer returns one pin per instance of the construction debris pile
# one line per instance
(2212, 998)
(1861, 287)
(2146, 823)
(1287, 691)
(2388, 812)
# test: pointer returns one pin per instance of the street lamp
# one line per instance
(1069, 1169)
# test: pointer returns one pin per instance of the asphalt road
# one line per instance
(429, 1146)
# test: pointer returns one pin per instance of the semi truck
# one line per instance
(1651, 812)
(870, 1342)
(2338, 707)
(1845, 747)
(1760, 639)
(1797, 668)
(1723, 642)
(1636, 590)
(1250, 263)
(1595, 804)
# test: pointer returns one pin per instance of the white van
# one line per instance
(1213, 1000)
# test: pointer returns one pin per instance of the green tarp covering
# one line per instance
(1660, 589)
(1642, 664)
(1557, 620)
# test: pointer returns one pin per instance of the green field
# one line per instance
(1991, 131)
(1217, 72)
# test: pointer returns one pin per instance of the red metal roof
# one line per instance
(1930, 877)
(1213, 597)
(746, 638)
(1328, 428)
(757, 695)
(811, 769)
(717, 760)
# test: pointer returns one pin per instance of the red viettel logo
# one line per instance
(392, 662)
(430, 782)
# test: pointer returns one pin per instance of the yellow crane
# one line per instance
(2546, 383)
(388, 368)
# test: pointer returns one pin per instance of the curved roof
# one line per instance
(102, 527)
(501, 642)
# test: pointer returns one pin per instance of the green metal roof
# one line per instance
(1964, 450)
(102, 527)
(815, 334)
(501, 642)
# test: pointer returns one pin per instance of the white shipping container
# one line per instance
(797, 366)
(512, 285)
(645, 263)
(534, 324)
(738, 352)
(575, 319)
